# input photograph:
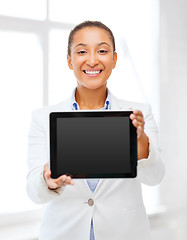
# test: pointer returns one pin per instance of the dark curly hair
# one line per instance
(89, 24)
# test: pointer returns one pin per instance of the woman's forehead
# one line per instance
(89, 35)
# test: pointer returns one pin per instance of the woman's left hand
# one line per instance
(143, 141)
(138, 121)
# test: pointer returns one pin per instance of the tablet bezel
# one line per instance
(53, 143)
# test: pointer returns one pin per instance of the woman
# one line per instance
(96, 209)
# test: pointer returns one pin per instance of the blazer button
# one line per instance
(90, 202)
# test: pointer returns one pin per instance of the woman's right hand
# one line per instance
(54, 184)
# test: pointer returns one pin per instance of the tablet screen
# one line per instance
(93, 144)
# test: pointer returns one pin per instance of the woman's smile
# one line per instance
(93, 72)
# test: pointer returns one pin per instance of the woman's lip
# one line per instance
(93, 72)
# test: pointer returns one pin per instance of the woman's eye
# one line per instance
(103, 51)
(81, 52)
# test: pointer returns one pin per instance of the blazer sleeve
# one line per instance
(151, 171)
(37, 188)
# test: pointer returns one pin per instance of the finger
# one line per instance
(48, 174)
(138, 112)
(45, 170)
(48, 179)
(139, 128)
(51, 183)
(138, 117)
(46, 167)
(64, 180)
(70, 181)
(137, 123)
(132, 116)
(60, 180)
(139, 131)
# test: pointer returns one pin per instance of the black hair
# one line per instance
(89, 24)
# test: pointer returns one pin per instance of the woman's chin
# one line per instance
(92, 85)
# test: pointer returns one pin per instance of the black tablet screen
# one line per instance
(83, 144)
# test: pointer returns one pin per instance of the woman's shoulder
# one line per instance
(46, 110)
(118, 103)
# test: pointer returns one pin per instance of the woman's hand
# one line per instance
(143, 141)
(54, 184)
(138, 121)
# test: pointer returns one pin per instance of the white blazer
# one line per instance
(118, 211)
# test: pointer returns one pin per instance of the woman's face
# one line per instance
(92, 57)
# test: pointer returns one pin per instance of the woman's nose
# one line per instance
(92, 59)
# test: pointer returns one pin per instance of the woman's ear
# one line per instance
(114, 59)
(69, 62)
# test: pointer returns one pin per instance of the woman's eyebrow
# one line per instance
(80, 44)
(84, 45)
(104, 43)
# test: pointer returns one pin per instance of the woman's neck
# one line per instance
(91, 98)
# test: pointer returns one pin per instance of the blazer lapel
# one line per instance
(115, 105)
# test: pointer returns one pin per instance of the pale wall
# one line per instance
(173, 111)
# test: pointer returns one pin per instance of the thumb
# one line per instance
(48, 173)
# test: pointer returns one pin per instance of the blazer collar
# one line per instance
(116, 104)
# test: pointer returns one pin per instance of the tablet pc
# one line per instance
(93, 144)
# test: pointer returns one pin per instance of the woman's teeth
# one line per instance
(92, 72)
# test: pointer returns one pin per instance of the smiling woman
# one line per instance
(34, 73)
(92, 57)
